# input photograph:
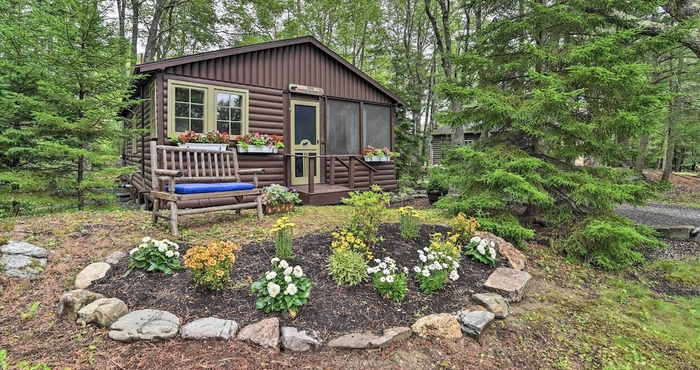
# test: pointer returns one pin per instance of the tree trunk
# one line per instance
(642, 157)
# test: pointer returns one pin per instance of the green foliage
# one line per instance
(609, 242)
(679, 272)
(31, 312)
(210, 266)
(438, 179)
(347, 267)
(435, 268)
(368, 211)
(391, 282)
(409, 223)
(282, 233)
(481, 250)
(155, 255)
(282, 289)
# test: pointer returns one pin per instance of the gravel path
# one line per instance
(661, 215)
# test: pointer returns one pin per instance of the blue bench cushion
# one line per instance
(198, 188)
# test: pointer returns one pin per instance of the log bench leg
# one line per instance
(258, 199)
(173, 218)
(239, 200)
(156, 208)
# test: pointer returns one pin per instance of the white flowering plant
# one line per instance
(155, 255)
(481, 250)
(434, 269)
(390, 280)
(284, 288)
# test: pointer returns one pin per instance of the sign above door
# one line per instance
(303, 89)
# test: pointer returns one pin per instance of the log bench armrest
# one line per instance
(168, 173)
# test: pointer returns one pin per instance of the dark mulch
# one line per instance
(332, 310)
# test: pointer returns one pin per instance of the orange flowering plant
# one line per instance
(210, 266)
(211, 137)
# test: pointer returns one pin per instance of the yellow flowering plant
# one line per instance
(210, 266)
(464, 226)
(409, 222)
(347, 264)
(282, 232)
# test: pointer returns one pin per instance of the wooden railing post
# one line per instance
(351, 174)
(331, 181)
(312, 168)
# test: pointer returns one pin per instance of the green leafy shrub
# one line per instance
(210, 266)
(390, 281)
(368, 210)
(282, 289)
(438, 180)
(481, 250)
(609, 242)
(282, 233)
(155, 255)
(409, 223)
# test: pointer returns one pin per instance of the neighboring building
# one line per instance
(325, 108)
(441, 139)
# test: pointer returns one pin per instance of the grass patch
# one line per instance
(679, 272)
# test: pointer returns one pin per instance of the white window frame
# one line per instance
(210, 105)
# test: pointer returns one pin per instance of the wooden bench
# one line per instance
(190, 176)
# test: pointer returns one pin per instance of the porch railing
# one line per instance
(347, 161)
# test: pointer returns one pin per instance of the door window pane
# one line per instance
(305, 124)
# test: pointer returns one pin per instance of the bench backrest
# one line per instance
(193, 165)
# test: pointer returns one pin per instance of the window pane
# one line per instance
(305, 124)
(197, 126)
(222, 99)
(343, 127)
(236, 100)
(182, 94)
(182, 110)
(235, 114)
(377, 125)
(197, 96)
(182, 124)
(236, 129)
(197, 111)
(222, 126)
(222, 113)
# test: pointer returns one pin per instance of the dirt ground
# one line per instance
(42, 337)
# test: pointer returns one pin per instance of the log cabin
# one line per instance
(325, 109)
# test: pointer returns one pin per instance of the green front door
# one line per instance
(305, 140)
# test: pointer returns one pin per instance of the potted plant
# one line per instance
(277, 198)
(438, 183)
(255, 142)
(211, 140)
(372, 154)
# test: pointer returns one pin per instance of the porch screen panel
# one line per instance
(377, 125)
(343, 127)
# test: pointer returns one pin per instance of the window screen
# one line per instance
(343, 127)
(377, 126)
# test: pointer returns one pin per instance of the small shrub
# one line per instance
(210, 266)
(277, 194)
(464, 227)
(347, 267)
(435, 269)
(409, 222)
(282, 232)
(282, 289)
(481, 250)
(347, 264)
(368, 210)
(155, 255)
(391, 283)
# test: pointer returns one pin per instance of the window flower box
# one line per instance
(378, 155)
(262, 149)
(278, 208)
(209, 146)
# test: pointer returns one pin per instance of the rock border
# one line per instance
(88, 308)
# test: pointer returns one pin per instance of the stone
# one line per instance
(22, 260)
(102, 312)
(494, 303)
(369, 340)
(299, 341)
(680, 232)
(473, 323)
(71, 302)
(149, 325)
(516, 259)
(439, 326)
(264, 333)
(210, 328)
(115, 258)
(509, 283)
(92, 272)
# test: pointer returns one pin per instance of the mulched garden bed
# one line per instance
(332, 310)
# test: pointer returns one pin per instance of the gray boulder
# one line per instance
(22, 260)
(509, 283)
(102, 312)
(475, 322)
(494, 303)
(369, 340)
(92, 272)
(71, 302)
(265, 333)
(299, 341)
(210, 328)
(149, 325)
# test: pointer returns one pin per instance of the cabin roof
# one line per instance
(152, 67)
